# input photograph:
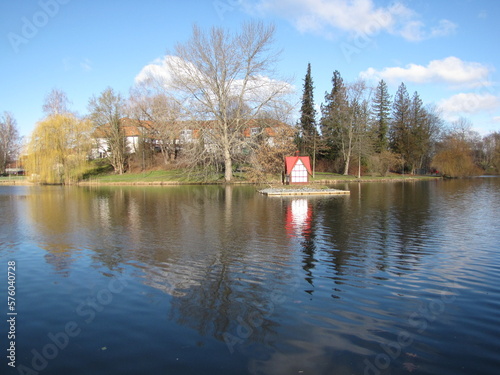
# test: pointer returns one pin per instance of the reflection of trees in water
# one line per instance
(218, 251)
(56, 218)
(376, 227)
(236, 270)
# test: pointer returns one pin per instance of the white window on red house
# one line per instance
(299, 172)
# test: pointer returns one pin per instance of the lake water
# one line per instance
(396, 278)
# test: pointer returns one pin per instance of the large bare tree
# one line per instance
(9, 140)
(226, 78)
(106, 112)
(160, 116)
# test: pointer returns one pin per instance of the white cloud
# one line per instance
(358, 17)
(415, 30)
(450, 70)
(159, 73)
(469, 103)
(496, 119)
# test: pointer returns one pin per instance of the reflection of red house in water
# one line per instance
(298, 218)
(297, 169)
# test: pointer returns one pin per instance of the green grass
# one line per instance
(148, 176)
(12, 178)
(182, 177)
(321, 176)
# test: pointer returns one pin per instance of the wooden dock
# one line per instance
(302, 191)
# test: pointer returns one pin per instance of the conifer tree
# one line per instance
(334, 115)
(307, 141)
(381, 112)
(308, 116)
(400, 124)
(419, 132)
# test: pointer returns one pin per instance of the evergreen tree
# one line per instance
(381, 112)
(419, 133)
(334, 115)
(307, 141)
(400, 124)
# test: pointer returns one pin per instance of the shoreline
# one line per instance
(273, 183)
(235, 183)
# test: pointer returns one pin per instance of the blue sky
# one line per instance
(445, 50)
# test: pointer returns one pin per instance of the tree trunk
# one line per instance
(228, 165)
(347, 160)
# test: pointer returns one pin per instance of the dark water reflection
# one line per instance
(395, 278)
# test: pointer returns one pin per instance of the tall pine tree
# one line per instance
(334, 115)
(307, 141)
(381, 114)
(401, 123)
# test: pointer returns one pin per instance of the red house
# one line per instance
(297, 169)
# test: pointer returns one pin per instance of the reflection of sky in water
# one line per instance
(204, 261)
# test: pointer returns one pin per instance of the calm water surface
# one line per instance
(396, 278)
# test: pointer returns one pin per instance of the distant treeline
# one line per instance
(364, 130)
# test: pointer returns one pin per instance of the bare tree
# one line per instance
(457, 152)
(224, 78)
(162, 116)
(56, 103)
(106, 112)
(9, 140)
(491, 152)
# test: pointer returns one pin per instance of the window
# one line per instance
(299, 172)
(254, 131)
(186, 135)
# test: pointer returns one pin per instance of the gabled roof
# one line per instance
(131, 128)
(290, 162)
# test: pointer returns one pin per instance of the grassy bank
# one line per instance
(14, 180)
(327, 178)
(171, 177)
(179, 177)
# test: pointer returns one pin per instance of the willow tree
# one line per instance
(58, 149)
(226, 78)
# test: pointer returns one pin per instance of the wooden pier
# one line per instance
(302, 191)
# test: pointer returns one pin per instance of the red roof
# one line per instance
(290, 162)
(132, 128)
